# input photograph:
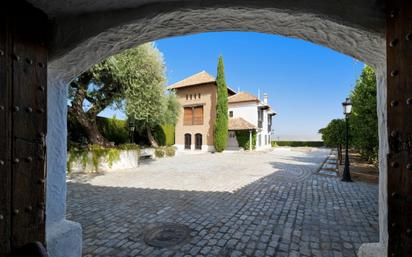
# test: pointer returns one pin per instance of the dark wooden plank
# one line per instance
(5, 134)
(28, 29)
(399, 107)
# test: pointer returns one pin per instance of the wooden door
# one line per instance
(23, 116)
(188, 141)
(198, 141)
(399, 109)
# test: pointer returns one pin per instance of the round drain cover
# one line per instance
(166, 235)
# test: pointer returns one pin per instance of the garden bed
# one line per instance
(100, 159)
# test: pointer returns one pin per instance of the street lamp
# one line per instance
(347, 109)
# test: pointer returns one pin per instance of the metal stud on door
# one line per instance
(23, 119)
(399, 110)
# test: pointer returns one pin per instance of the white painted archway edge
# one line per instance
(104, 36)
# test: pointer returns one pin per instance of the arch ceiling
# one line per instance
(86, 31)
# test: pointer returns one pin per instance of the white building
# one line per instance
(249, 113)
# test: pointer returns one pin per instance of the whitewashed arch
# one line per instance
(85, 34)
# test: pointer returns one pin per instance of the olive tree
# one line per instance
(147, 102)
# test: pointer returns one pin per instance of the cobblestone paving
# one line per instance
(284, 209)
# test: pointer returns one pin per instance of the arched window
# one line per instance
(198, 141)
(188, 141)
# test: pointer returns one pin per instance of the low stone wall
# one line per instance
(127, 159)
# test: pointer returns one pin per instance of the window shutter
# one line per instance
(188, 116)
(198, 115)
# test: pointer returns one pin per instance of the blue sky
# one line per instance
(306, 83)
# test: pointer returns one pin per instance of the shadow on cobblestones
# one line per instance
(292, 212)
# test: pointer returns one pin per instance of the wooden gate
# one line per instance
(23, 117)
(399, 107)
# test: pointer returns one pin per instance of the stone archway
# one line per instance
(355, 28)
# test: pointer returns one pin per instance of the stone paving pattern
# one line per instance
(285, 208)
(330, 165)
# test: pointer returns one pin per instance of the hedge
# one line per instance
(112, 129)
(298, 143)
(164, 135)
(169, 130)
(115, 130)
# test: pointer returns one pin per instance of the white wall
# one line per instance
(246, 110)
(249, 112)
(128, 159)
(63, 237)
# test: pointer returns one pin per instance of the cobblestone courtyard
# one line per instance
(236, 204)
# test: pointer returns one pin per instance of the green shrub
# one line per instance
(170, 151)
(243, 139)
(169, 131)
(128, 147)
(159, 135)
(298, 143)
(159, 152)
(77, 154)
(164, 134)
(113, 129)
(98, 153)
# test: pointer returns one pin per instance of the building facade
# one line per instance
(258, 114)
(197, 95)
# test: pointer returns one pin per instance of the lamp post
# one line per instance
(347, 109)
(131, 130)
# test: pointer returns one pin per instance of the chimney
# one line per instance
(265, 98)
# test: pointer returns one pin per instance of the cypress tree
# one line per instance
(221, 124)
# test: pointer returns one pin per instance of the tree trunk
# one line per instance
(93, 133)
(89, 126)
(151, 138)
(87, 119)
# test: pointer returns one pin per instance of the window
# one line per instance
(198, 115)
(260, 118)
(188, 141)
(194, 96)
(198, 141)
(260, 140)
(266, 139)
(193, 115)
(269, 123)
(199, 96)
(187, 116)
(190, 96)
(230, 114)
(187, 97)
